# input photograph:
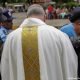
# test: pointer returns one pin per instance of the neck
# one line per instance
(38, 17)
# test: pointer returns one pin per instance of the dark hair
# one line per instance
(74, 17)
(75, 14)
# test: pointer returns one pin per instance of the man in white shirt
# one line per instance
(37, 51)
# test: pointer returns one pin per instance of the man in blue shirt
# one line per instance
(6, 26)
(73, 31)
(2, 20)
(3, 33)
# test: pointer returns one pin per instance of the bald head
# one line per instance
(35, 11)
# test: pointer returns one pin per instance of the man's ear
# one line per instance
(26, 16)
(44, 17)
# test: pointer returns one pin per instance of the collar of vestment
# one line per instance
(32, 22)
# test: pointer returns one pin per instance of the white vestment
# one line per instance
(58, 60)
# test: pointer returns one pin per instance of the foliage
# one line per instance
(69, 4)
(73, 4)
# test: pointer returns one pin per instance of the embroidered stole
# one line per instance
(30, 53)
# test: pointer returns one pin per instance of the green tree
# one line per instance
(63, 1)
(3, 2)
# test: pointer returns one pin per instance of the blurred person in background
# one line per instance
(5, 27)
(73, 31)
(50, 12)
(2, 20)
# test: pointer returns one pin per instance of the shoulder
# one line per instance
(68, 26)
(15, 33)
(68, 29)
(53, 36)
(3, 32)
(51, 31)
(65, 27)
(1, 29)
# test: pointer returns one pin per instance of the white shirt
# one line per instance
(58, 60)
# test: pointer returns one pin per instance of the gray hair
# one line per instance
(35, 10)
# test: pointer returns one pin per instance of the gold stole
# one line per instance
(30, 53)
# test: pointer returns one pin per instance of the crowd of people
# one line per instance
(57, 12)
(37, 51)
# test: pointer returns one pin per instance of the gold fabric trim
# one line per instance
(30, 53)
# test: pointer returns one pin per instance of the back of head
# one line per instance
(36, 10)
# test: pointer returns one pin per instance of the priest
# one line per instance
(37, 51)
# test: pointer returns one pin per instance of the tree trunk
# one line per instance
(3, 3)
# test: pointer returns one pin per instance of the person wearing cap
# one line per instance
(2, 17)
(2, 20)
(37, 51)
(6, 27)
(9, 22)
(73, 31)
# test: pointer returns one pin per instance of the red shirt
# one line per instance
(50, 8)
